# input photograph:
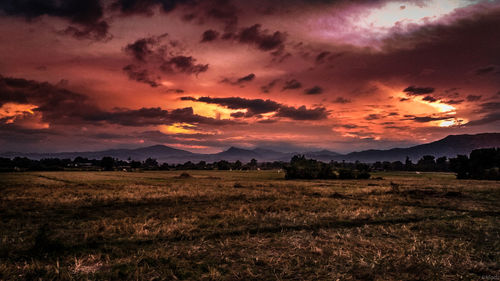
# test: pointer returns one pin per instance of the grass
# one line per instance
(221, 225)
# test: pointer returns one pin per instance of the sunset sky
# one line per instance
(289, 75)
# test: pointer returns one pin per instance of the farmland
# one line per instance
(247, 225)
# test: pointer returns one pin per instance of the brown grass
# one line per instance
(157, 226)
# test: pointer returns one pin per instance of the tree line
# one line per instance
(480, 164)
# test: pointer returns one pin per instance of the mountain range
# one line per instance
(450, 146)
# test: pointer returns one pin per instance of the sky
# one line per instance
(289, 75)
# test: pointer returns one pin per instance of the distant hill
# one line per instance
(159, 152)
(449, 147)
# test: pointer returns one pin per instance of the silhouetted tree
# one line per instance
(107, 163)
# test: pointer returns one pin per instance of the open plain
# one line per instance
(247, 225)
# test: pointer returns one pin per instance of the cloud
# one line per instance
(183, 64)
(341, 100)
(473, 98)
(86, 15)
(209, 35)
(415, 91)
(261, 39)
(487, 119)
(256, 107)
(302, 113)
(62, 106)
(374, 117)
(163, 56)
(253, 106)
(316, 90)
(158, 116)
(247, 78)
(142, 48)
(145, 7)
(430, 99)
(425, 119)
(238, 114)
(96, 32)
(485, 70)
(291, 85)
(140, 75)
(269, 86)
(452, 101)
(321, 56)
(327, 56)
(490, 113)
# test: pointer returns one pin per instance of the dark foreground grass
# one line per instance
(218, 225)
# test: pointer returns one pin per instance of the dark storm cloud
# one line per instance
(95, 32)
(430, 99)
(183, 64)
(487, 119)
(452, 101)
(247, 78)
(177, 91)
(61, 106)
(415, 91)
(239, 81)
(238, 114)
(263, 40)
(130, 7)
(425, 119)
(222, 11)
(292, 85)
(143, 47)
(350, 126)
(86, 14)
(316, 90)
(153, 51)
(341, 100)
(255, 107)
(374, 117)
(326, 56)
(473, 98)
(55, 103)
(209, 35)
(489, 112)
(302, 113)
(485, 70)
(321, 56)
(140, 75)
(157, 116)
(269, 86)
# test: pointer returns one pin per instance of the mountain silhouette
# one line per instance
(450, 146)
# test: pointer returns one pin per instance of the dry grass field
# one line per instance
(222, 225)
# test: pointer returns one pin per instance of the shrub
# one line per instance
(185, 176)
(345, 174)
(302, 168)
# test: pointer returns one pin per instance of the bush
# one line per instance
(363, 175)
(345, 174)
(302, 168)
(185, 176)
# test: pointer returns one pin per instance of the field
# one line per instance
(222, 225)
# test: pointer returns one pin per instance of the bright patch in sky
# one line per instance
(447, 123)
(365, 26)
(11, 111)
(394, 13)
(178, 128)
